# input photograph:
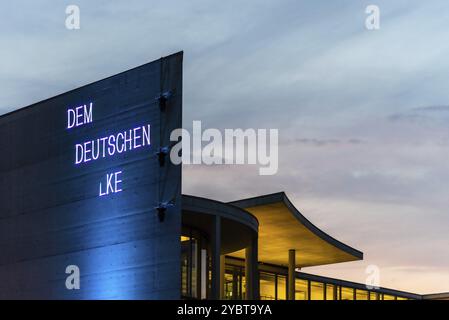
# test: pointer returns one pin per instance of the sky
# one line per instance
(362, 115)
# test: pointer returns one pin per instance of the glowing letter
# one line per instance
(79, 156)
(88, 113)
(117, 182)
(70, 118)
(136, 137)
(117, 143)
(111, 186)
(146, 136)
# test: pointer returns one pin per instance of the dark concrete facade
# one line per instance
(51, 214)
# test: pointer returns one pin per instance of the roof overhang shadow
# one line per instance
(283, 227)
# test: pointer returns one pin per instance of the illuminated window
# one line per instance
(362, 294)
(347, 293)
(301, 287)
(194, 265)
(316, 291)
(267, 286)
(337, 292)
(234, 283)
(228, 286)
(282, 288)
(330, 291)
(189, 266)
(388, 297)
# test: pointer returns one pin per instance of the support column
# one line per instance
(222, 277)
(215, 257)
(291, 274)
(204, 274)
(235, 284)
(252, 270)
(199, 266)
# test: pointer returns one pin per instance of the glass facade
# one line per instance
(331, 291)
(346, 293)
(316, 290)
(195, 277)
(213, 254)
(234, 283)
(267, 286)
(302, 289)
(273, 286)
(189, 266)
(282, 287)
(361, 294)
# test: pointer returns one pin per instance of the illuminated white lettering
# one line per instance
(103, 140)
(109, 146)
(117, 181)
(88, 114)
(87, 151)
(120, 150)
(79, 116)
(95, 150)
(146, 135)
(70, 118)
(112, 184)
(136, 138)
(127, 140)
(79, 155)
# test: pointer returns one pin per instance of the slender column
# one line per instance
(215, 255)
(309, 290)
(222, 277)
(252, 270)
(291, 274)
(235, 284)
(256, 277)
(198, 270)
(324, 291)
(204, 273)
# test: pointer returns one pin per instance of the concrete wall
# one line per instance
(51, 214)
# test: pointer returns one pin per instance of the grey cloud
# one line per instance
(440, 108)
(424, 114)
(322, 142)
(398, 117)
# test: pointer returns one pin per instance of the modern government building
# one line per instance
(91, 208)
(253, 248)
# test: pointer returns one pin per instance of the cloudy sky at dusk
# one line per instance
(363, 116)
